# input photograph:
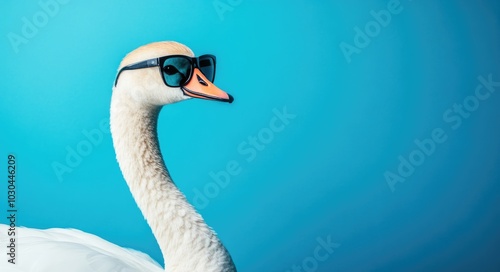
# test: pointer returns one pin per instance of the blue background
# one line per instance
(323, 175)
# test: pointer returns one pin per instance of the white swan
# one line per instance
(186, 242)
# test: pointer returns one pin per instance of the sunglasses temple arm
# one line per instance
(143, 64)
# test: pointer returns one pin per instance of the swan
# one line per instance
(187, 243)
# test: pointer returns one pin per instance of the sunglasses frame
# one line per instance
(195, 63)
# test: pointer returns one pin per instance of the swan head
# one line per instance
(162, 73)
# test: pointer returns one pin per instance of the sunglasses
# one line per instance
(177, 70)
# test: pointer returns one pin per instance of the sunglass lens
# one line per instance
(176, 71)
(207, 67)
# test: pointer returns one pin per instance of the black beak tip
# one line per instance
(231, 98)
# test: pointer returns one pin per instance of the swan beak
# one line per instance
(200, 87)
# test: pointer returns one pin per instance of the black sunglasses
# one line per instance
(177, 70)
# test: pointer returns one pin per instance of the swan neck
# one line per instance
(186, 242)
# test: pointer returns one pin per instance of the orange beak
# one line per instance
(200, 87)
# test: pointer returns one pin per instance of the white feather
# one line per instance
(70, 250)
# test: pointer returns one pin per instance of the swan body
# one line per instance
(71, 250)
(187, 243)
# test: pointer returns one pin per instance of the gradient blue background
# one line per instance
(323, 175)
